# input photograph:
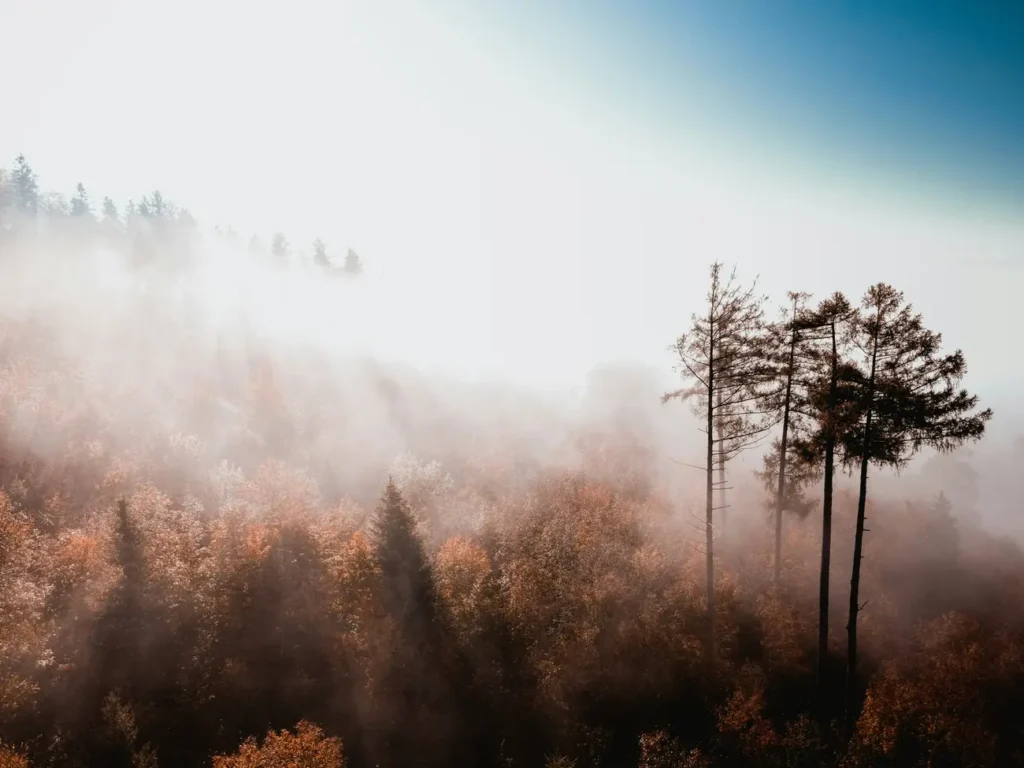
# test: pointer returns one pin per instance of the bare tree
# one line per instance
(910, 398)
(722, 359)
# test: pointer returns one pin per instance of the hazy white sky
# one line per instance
(525, 225)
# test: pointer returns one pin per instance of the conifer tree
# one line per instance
(353, 266)
(80, 203)
(785, 353)
(110, 215)
(279, 246)
(830, 406)
(26, 187)
(909, 397)
(406, 586)
(722, 358)
(413, 686)
(320, 254)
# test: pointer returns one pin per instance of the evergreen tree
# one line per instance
(353, 266)
(122, 620)
(723, 359)
(158, 206)
(80, 203)
(26, 187)
(320, 254)
(909, 398)
(279, 246)
(110, 215)
(407, 589)
(830, 406)
(786, 339)
(118, 638)
(413, 689)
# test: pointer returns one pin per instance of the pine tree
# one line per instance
(158, 205)
(110, 215)
(320, 254)
(80, 203)
(722, 357)
(413, 687)
(407, 588)
(353, 266)
(909, 398)
(26, 187)
(122, 619)
(829, 405)
(279, 246)
(785, 353)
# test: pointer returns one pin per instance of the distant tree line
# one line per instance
(151, 223)
(195, 577)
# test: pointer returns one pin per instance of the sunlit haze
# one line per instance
(529, 221)
(523, 384)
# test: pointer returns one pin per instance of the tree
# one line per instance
(829, 406)
(80, 203)
(110, 216)
(909, 397)
(279, 246)
(786, 338)
(12, 758)
(308, 747)
(407, 590)
(159, 207)
(320, 254)
(353, 266)
(26, 187)
(412, 690)
(722, 357)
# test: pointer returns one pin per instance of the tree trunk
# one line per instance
(826, 522)
(721, 468)
(710, 506)
(858, 547)
(783, 446)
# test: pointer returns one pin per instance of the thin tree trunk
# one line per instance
(826, 522)
(783, 447)
(721, 468)
(710, 510)
(858, 547)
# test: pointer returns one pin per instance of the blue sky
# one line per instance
(539, 187)
(927, 96)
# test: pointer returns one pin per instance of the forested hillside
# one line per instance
(218, 548)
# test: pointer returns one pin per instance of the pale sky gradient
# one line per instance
(531, 221)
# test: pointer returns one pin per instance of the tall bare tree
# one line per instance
(910, 398)
(722, 359)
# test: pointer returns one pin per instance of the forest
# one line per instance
(217, 549)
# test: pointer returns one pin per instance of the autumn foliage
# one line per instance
(193, 574)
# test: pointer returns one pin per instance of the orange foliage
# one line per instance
(11, 758)
(307, 747)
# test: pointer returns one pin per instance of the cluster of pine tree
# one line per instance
(864, 385)
(150, 227)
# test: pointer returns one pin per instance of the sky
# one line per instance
(541, 187)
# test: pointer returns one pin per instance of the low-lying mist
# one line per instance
(195, 435)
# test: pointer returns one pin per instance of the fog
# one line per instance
(248, 404)
(171, 325)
